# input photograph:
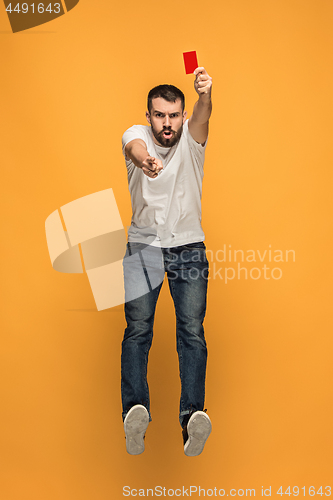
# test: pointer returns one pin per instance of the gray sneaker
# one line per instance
(135, 426)
(195, 433)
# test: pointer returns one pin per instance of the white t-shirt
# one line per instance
(167, 208)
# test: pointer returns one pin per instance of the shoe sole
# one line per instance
(135, 426)
(198, 428)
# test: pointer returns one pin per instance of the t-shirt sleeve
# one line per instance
(134, 132)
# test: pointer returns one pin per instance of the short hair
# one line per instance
(168, 92)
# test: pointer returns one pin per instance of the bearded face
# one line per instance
(167, 137)
(166, 120)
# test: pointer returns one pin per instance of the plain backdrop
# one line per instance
(68, 90)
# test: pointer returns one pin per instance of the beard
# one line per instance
(170, 141)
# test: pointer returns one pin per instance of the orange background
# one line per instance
(69, 89)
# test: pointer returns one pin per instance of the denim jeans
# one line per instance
(187, 271)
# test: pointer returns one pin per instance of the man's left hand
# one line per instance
(203, 82)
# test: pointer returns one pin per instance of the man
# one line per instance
(165, 170)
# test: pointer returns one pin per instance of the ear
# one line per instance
(184, 116)
(148, 117)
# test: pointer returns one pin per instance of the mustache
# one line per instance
(167, 129)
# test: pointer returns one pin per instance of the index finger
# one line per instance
(158, 164)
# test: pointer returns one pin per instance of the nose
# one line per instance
(167, 121)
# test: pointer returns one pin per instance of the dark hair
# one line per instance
(168, 92)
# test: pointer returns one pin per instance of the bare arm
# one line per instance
(198, 123)
(136, 150)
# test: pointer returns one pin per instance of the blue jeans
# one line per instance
(187, 271)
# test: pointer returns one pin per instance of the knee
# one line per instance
(192, 331)
(138, 332)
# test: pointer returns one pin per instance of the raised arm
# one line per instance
(136, 150)
(198, 123)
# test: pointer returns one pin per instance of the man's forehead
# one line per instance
(160, 104)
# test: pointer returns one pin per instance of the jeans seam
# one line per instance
(180, 355)
(147, 352)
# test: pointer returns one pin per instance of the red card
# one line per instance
(190, 61)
